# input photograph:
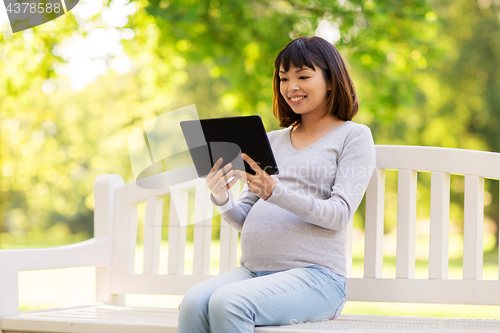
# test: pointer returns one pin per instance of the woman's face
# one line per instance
(304, 89)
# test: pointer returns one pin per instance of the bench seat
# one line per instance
(102, 318)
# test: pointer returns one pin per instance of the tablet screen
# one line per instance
(210, 139)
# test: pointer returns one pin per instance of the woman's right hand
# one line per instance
(216, 181)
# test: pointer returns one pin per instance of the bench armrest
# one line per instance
(93, 252)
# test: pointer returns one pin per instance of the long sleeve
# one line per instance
(355, 166)
(235, 212)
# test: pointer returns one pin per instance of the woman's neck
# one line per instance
(311, 125)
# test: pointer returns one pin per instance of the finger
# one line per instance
(231, 183)
(251, 162)
(221, 186)
(228, 167)
(215, 167)
(225, 169)
(217, 164)
(218, 176)
(243, 176)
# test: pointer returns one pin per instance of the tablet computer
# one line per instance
(210, 139)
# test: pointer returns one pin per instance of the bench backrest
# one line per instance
(407, 160)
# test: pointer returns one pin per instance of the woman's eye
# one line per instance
(301, 77)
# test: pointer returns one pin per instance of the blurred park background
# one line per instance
(72, 90)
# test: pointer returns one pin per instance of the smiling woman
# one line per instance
(293, 261)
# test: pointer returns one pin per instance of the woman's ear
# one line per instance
(329, 85)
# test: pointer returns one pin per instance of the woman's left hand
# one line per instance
(261, 184)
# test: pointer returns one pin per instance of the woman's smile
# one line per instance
(304, 89)
(297, 100)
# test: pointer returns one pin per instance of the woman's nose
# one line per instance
(293, 86)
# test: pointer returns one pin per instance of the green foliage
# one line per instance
(425, 73)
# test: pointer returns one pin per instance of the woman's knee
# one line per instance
(227, 300)
(194, 299)
(199, 294)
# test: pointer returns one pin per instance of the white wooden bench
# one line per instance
(111, 251)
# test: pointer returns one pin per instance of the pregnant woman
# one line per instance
(293, 263)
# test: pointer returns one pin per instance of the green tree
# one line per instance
(470, 76)
(219, 55)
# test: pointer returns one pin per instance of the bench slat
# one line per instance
(131, 193)
(96, 319)
(125, 239)
(228, 246)
(160, 284)
(407, 212)
(8, 290)
(105, 188)
(152, 234)
(176, 231)
(228, 240)
(479, 292)
(358, 289)
(473, 227)
(374, 225)
(439, 225)
(202, 230)
(348, 323)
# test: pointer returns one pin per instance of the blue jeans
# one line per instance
(239, 300)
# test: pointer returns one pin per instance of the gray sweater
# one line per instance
(318, 190)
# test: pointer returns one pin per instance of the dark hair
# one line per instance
(309, 52)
